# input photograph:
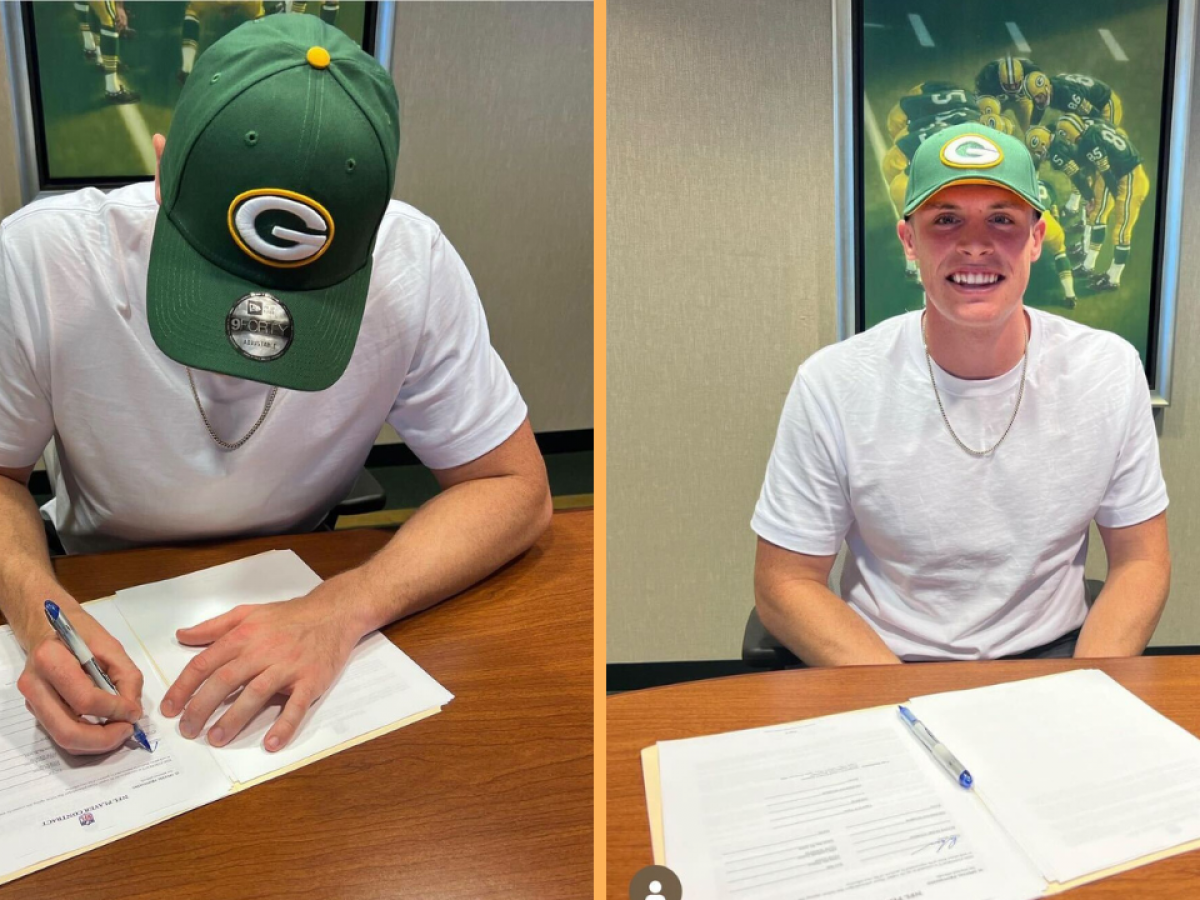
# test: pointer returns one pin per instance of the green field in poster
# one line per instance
(87, 136)
(1123, 44)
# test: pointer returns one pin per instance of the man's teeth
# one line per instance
(974, 277)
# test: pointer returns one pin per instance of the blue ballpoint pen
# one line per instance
(939, 750)
(87, 659)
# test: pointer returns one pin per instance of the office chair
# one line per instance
(365, 495)
(761, 650)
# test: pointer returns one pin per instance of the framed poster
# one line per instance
(1097, 93)
(100, 78)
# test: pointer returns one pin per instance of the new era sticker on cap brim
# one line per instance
(971, 151)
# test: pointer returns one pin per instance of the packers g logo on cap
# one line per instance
(297, 247)
(971, 151)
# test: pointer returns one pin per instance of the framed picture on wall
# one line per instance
(100, 78)
(1098, 95)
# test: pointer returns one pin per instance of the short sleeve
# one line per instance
(804, 505)
(1136, 492)
(26, 417)
(458, 400)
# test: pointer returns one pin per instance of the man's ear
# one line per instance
(159, 143)
(904, 231)
(1039, 232)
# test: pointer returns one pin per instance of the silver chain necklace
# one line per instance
(225, 445)
(945, 418)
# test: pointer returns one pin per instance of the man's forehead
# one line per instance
(993, 196)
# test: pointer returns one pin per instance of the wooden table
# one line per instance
(1171, 684)
(492, 797)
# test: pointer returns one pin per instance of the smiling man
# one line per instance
(962, 451)
(214, 354)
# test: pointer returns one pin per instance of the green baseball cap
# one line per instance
(970, 154)
(278, 169)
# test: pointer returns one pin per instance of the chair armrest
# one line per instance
(760, 648)
(366, 495)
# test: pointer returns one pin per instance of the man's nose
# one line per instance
(975, 239)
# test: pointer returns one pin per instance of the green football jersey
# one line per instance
(1047, 197)
(1079, 94)
(924, 108)
(1111, 153)
(1061, 155)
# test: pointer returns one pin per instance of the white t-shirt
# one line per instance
(132, 461)
(953, 556)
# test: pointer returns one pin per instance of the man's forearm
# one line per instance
(26, 576)
(819, 627)
(1124, 616)
(460, 536)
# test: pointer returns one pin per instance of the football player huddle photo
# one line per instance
(107, 75)
(1082, 87)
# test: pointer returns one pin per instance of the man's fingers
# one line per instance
(258, 693)
(57, 666)
(223, 682)
(288, 723)
(65, 728)
(209, 630)
(112, 659)
(125, 676)
(194, 674)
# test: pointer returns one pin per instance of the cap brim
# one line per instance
(919, 200)
(188, 299)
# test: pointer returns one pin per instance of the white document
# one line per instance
(850, 807)
(379, 685)
(53, 803)
(1082, 772)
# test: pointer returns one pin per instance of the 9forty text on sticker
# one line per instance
(298, 246)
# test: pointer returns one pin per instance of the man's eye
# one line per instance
(1002, 220)
(944, 219)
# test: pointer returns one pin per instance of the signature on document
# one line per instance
(939, 845)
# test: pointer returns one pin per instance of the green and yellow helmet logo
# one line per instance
(998, 122)
(1037, 139)
(1037, 85)
(1070, 127)
(988, 106)
(971, 151)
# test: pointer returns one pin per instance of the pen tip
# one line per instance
(52, 609)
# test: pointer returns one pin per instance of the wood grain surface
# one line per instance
(1171, 684)
(492, 797)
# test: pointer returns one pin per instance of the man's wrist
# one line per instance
(348, 598)
(29, 622)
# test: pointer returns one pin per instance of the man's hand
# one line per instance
(297, 647)
(58, 692)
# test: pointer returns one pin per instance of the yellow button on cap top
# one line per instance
(318, 57)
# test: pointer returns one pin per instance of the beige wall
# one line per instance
(496, 138)
(721, 281)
